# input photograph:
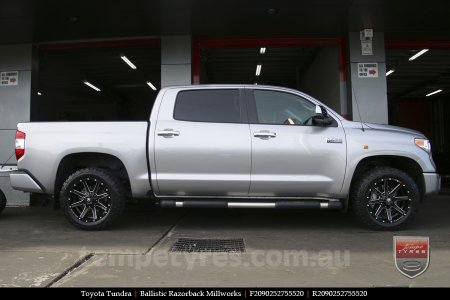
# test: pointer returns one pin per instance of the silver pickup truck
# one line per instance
(228, 146)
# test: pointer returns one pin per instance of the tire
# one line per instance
(2, 201)
(385, 211)
(92, 199)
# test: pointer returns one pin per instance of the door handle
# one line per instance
(168, 133)
(265, 134)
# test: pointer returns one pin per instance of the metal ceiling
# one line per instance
(66, 69)
(280, 66)
(124, 90)
(415, 79)
(52, 20)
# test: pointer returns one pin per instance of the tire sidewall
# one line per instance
(361, 191)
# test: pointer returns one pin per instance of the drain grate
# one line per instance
(208, 245)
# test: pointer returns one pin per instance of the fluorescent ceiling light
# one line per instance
(423, 51)
(151, 85)
(91, 86)
(433, 93)
(39, 93)
(258, 70)
(262, 50)
(390, 72)
(125, 59)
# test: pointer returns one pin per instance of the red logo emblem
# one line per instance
(411, 255)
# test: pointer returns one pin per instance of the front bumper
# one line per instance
(431, 183)
(22, 181)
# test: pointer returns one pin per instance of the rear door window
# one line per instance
(214, 106)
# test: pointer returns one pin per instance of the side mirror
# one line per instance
(321, 118)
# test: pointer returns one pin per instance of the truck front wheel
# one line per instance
(92, 198)
(385, 199)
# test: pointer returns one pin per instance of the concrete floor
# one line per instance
(283, 248)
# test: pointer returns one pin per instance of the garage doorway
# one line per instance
(418, 85)
(315, 66)
(96, 81)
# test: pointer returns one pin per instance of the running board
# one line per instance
(282, 204)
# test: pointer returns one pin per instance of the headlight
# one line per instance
(424, 144)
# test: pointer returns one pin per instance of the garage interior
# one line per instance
(308, 69)
(63, 95)
(418, 95)
(97, 81)
(280, 66)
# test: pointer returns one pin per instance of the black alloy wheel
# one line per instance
(92, 198)
(385, 198)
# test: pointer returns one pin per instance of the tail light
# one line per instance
(20, 144)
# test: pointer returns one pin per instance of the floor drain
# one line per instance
(208, 245)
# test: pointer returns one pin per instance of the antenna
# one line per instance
(357, 108)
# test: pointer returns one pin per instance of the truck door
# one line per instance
(202, 143)
(291, 157)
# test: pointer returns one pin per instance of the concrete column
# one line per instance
(175, 60)
(321, 79)
(14, 108)
(370, 93)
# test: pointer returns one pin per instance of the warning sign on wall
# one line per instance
(367, 70)
(9, 78)
(366, 48)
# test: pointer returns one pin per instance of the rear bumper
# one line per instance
(23, 181)
(432, 183)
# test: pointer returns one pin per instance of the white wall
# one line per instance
(321, 80)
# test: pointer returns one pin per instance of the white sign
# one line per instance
(367, 70)
(9, 78)
(366, 47)
(366, 34)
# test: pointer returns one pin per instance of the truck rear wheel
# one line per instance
(385, 199)
(2, 201)
(92, 199)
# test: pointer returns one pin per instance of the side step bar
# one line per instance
(284, 204)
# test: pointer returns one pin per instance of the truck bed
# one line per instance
(47, 144)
